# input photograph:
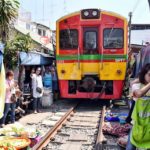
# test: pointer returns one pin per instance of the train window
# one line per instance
(113, 38)
(90, 40)
(69, 39)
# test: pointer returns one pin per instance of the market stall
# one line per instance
(29, 61)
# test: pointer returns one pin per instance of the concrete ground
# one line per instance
(35, 118)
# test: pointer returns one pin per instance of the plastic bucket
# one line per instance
(47, 98)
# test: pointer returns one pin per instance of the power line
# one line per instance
(135, 6)
(43, 9)
(65, 7)
(35, 11)
(139, 14)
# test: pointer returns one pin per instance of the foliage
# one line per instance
(22, 43)
(10, 56)
(19, 43)
(8, 12)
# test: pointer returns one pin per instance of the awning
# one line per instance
(35, 58)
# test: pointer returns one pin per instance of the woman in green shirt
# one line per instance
(140, 134)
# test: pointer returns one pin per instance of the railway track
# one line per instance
(79, 129)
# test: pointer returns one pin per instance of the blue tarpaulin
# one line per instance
(35, 58)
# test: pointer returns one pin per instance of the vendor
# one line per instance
(37, 90)
(47, 78)
(140, 115)
(9, 104)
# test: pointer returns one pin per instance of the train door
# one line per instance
(90, 50)
(90, 40)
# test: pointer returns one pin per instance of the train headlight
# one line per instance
(90, 14)
(63, 71)
(94, 13)
(86, 13)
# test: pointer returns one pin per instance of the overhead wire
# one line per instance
(43, 10)
(135, 6)
(35, 9)
(65, 7)
(139, 14)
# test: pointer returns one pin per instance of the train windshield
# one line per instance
(69, 39)
(113, 38)
(90, 40)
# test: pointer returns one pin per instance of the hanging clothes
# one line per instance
(137, 64)
(145, 59)
(142, 59)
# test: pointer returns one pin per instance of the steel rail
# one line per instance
(100, 135)
(53, 131)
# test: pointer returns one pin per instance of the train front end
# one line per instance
(91, 54)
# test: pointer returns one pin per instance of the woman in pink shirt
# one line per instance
(8, 103)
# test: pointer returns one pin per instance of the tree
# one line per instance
(22, 42)
(8, 12)
(10, 56)
(19, 43)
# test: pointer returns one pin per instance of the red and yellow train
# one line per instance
(91, 54)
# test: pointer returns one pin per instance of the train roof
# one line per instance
(104, 11)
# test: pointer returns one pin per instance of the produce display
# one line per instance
(12, 130)
(7, 148)
(18, 130)
(116, 129)
(114, 117)
(111, 117)
(15, 136)
(18, 143)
